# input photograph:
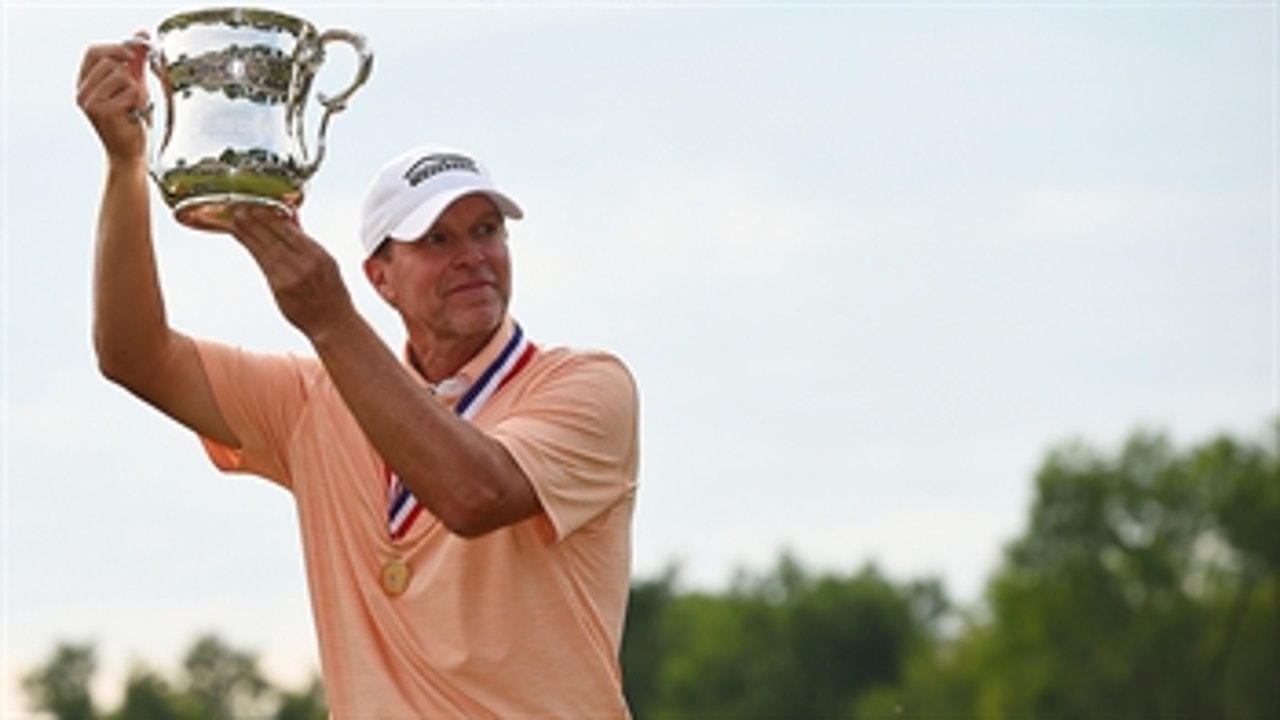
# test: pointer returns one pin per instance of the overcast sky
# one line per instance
(868, 262)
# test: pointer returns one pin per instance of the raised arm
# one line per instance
(135, 346)
(467, 479)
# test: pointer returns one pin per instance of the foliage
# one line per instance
(225, 682)
(218, 682)
(1147, 584)
(62, 686)
(786, 644)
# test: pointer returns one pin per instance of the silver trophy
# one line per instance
(235, 84)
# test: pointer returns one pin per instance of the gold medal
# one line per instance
(395, 576)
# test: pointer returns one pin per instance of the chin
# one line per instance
(480, 320)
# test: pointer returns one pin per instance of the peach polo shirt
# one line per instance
(524, 622)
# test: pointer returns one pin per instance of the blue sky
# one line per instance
(868, 261)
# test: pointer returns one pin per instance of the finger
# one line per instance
(107, 82)
(111, 109)
(107, 90)
(271, 235)
(96, 54)
(248, 227)
(97, 69)
(286, 230)
(140, 47)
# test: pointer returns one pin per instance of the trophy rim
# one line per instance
(235, 16)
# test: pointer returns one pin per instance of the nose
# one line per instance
(472, 253)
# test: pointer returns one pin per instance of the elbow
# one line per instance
(110, 365)
(498, 495)
(473, 519)
(485, 508)
(468, 531)
(123, 365)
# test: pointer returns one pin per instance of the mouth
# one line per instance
(472, 287)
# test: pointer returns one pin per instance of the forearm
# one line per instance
(129, 325)
(461, 475)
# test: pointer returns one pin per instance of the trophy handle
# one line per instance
(338, 103)
(160, 71)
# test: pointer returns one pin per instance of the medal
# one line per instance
(395, 576)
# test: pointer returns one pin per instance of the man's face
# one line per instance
(455, 280)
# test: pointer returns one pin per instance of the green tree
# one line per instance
(851, 634)
(148, 696)
(225, 683)
(306, 704)
(645, 641)
(62, 685)
(730, 662)
(218, 682)
(1242, 647)
(789, 644)
(1145, 585)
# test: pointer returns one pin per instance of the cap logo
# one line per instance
(432, 165)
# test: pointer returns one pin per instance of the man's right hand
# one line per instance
(135, 346)
(111, 89)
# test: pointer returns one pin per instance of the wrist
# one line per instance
(127, 167)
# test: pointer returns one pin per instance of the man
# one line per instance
(465, 509)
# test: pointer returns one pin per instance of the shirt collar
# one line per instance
(454, 387)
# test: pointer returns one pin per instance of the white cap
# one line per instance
(408, 194)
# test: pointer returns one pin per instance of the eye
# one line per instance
(489, 228)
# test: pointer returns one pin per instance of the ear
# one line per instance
(375, 269)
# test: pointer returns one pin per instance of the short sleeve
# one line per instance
(261, 397)
(575, 436)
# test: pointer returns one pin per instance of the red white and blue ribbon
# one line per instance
(402, 507)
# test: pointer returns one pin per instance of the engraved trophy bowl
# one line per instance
(235, 83)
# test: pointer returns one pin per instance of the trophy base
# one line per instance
(213, 212)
